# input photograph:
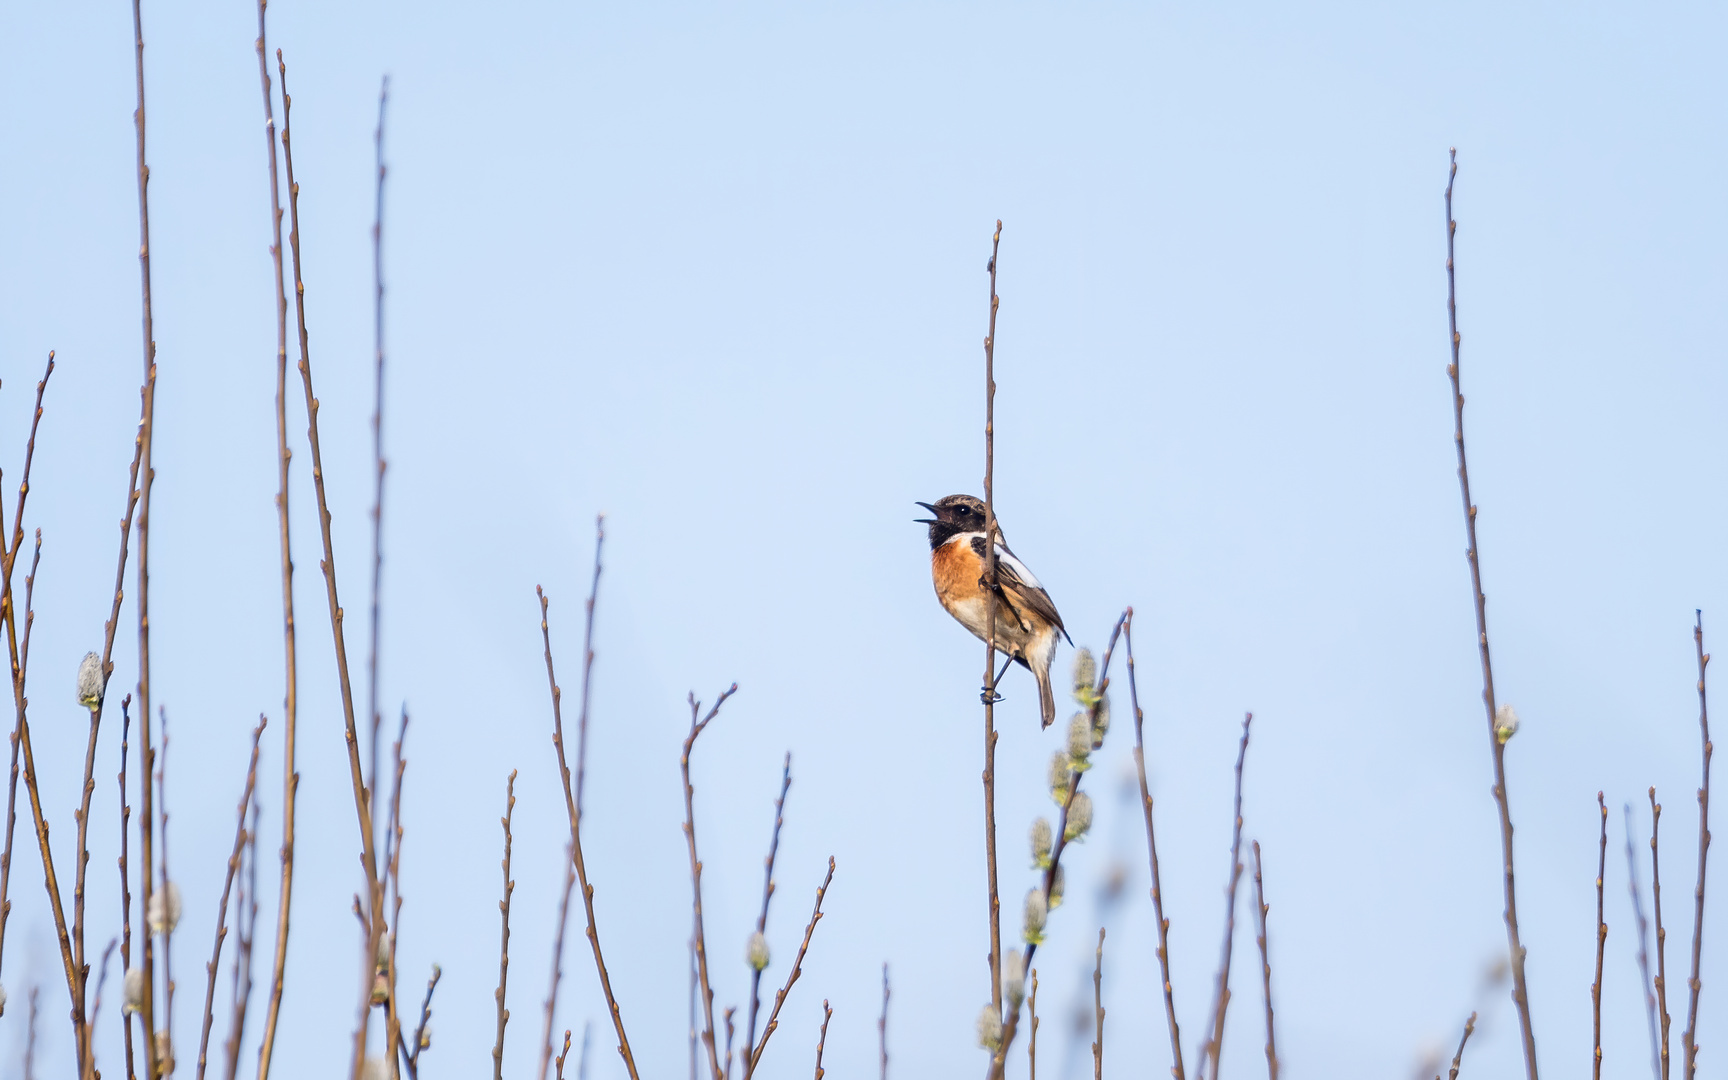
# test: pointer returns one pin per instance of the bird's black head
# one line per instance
(954, 515)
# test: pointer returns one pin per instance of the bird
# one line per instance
(1027, 625)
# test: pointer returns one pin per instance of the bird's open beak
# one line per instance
(926, 521)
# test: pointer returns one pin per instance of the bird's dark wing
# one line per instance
(1020, 588)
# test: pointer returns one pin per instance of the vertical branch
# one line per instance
(125, 878)
(1260, 910)
(1032, 1031)
(882, 1024)
(1213, 1047)
(706, 994)
(222, 907)
(990, 643)
(362, 797)
(1458, 1058)
(1176, 1069)
(290, 693)
(377, 444)
(1520, 993)
(393, 870)
(822, 1040)
(1689, 1039)
(170, 912)
(557, 961)
(797, 969)
(1661, 934)
(1601, 946)
(1098, 1009)
(30, 1038)
(767, 895)
(1643, 946)
(246, 926)
(504, 934)
(420, 1038)
(572, 805)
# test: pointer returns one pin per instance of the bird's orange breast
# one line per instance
(955, 570)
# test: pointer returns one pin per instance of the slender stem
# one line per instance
(1176, 1068)
(504, 934)
(570, 802)
(246, 925)
(1693, 984)
(222, 907)
(125, 879)
(377, 446)
(1601, 945)
(566, 1051)
(425, 1018)
(706, 995)
(393, 870)
(1032, 1030)
(989, 583)
(1458, 1058)
(1098, 1009)
(822, 1040)
(882, 1024)
(767, 895)
(169, 918)
(1643, 945)
(557, 962)
(1520, 992)
(1213, 1047)
(797, 969)
(1661, 934)
(30, 1038)
(1260, 910)
(290, 693)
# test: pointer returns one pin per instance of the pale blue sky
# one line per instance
(718, 272)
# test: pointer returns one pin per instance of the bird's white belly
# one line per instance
(974, 615)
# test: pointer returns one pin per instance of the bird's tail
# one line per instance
(1046, 696)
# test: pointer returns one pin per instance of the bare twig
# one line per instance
(377, 446)
(125, 879)
(989, 583)
(1601, 945)
(290, 693)
(572, 804)
(1176, 1068)
(12, 783)
(222, 907)
(1689, 1038)
(730, 1032)
(1260, 910)
(797, 970)
(767, 895)
(1032, 1030)
(246, 929)
(1661, 934)
(582, 1062)
(30, 1038)
(393, 872)
(1213, 1046)
(1458, 1058)
(420, 1040)
(1520, 993)
(168, 919)
(1643, 944)
(822, 1040)
(564, 1055)
(1098, 1009)
(706, 995)
(882, 1024)
(557, 961)
(504, 936)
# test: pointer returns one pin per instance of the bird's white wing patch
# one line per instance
(1003, 555)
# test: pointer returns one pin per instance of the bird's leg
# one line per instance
(987, 695)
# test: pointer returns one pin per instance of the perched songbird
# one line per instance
(1027, 624)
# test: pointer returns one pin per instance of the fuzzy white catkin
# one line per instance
(1037, 911)
(1059, 775)
(90, 681)
(164, 912)
(989, 1028)
(1079, 741)
(1505, 723)
(1079, 816)
(1014, 978)
(134, 990)
(1085, 672)
(1041, 837)
(756, 952)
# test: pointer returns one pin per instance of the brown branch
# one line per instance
(1176, 1068)
(707, 993)
(290, 696)
(1458, 1058)
(125, 878)
(1661, 934)
(420, 1039)
(30, 1039)
(1643, 944)
(822, 1040)
(246, 927)
(1214, 1045)
(882, 1024)
(767, 895)
(1688, 1039)
(169, 916)
(1520, 993)
(566, 1052)
(797, 969)
(1098, 1009)
(1032, 1030)
(377, 450)
(990, 589)
(1260, 910)
(730, 1031)
(557, 961)
(393, 870)
(504, 938)
(572, 804)
(222, 906)
(1601, 945)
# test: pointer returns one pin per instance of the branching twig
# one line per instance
(822, 1040)
(767, 895)
(222, 906)
(1213, 1046)
(1520, 994)
(1098, 1009)
(1176, 1068)
(797, 970)
(1601, 946)
(1689, 1038)
(706, 994)
(1458, 1058)
(1260, 910)
(1661, 934)
(12, 783)
(564, 1054)
(504, 936)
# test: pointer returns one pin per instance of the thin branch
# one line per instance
(125, 878)
(730, 1031)
(1213, 1046)
(393, 870)
(557, 961)
(222, 906)
(377, 446)
(797, 969)
(290, 693)
(707, 994)
(504, 936)
(1260, 910)
(767, 895)
(1458, 1058)
(169, 918)
(1032, 1031)
(570, 801)
(246, 927)
(1601, 946)
(990, 589)
(822, 1040)
(30, 1038)
(1098, 1009)
(882, 1024)
(1176, 1067)
(565, 1053)
(1689, 1038)
(1520, 992)
(12, 783)
(1661, 934)
(1643, 945)
(420, 1039)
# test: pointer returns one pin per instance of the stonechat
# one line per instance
(1026, 623)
